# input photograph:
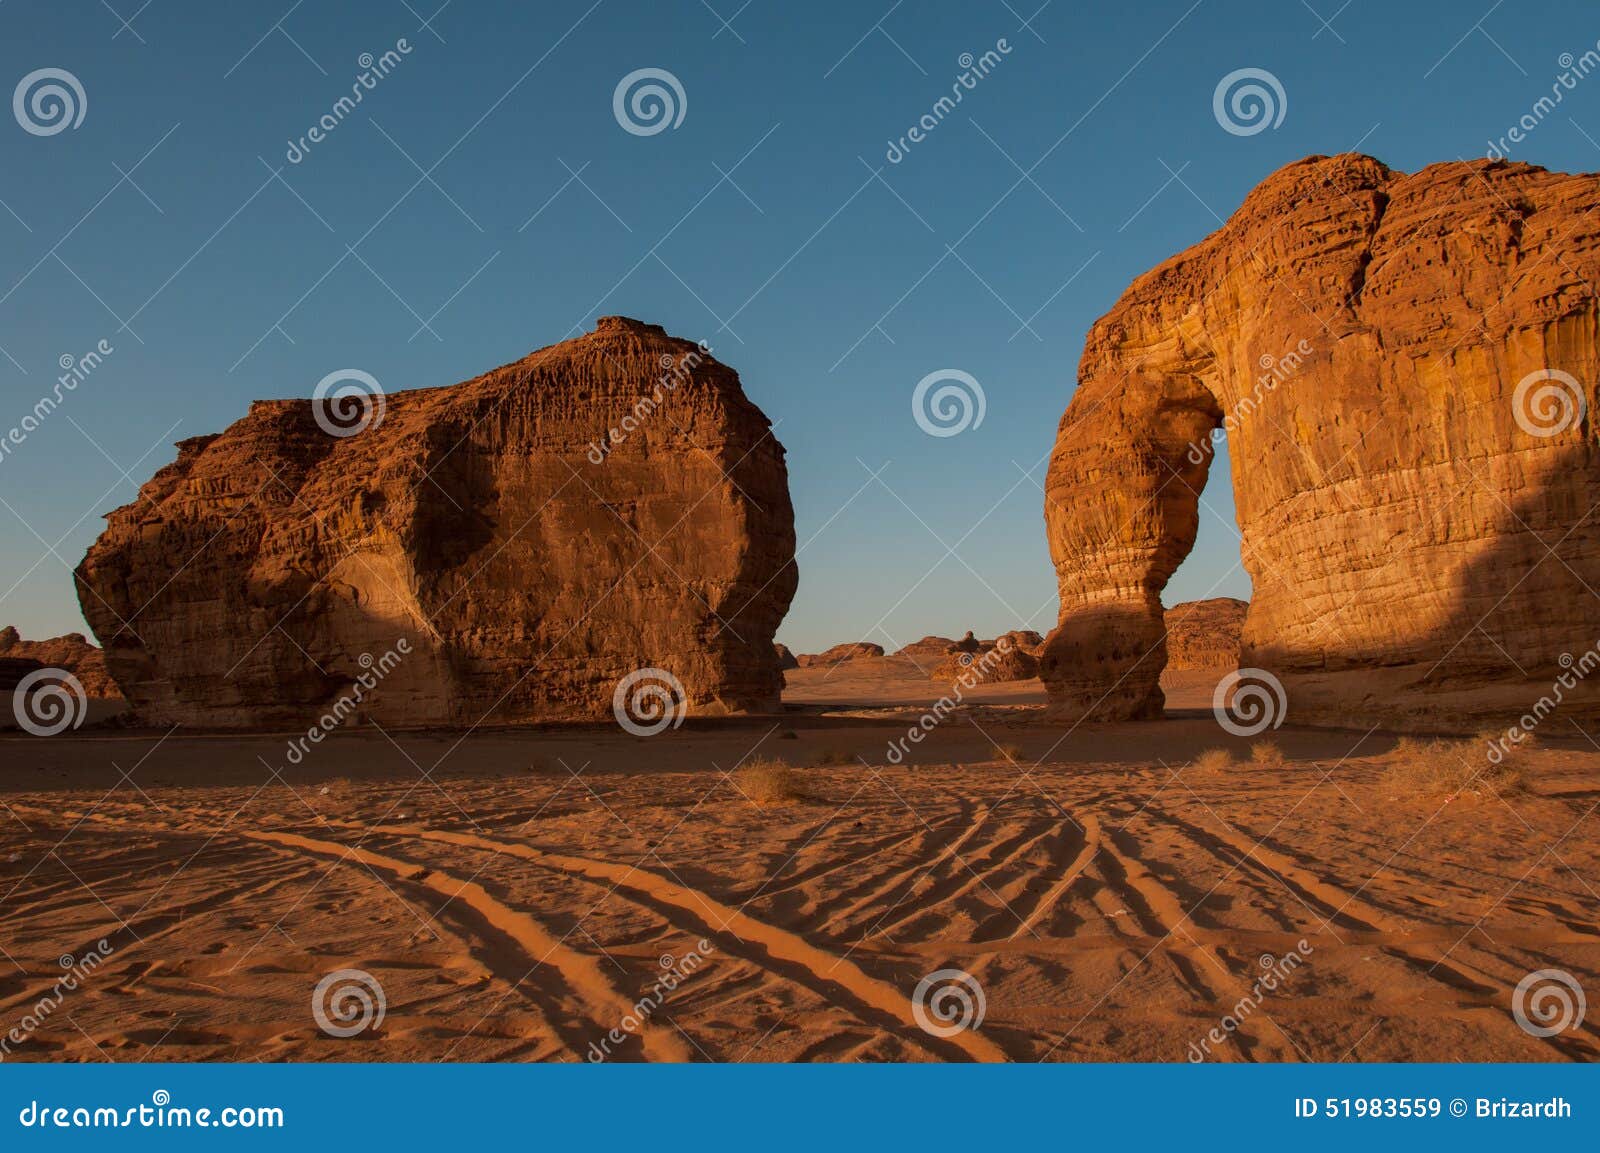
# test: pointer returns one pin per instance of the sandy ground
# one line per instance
(516, 893)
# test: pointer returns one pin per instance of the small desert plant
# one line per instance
(835, 757)
(1441, 767)
(788, 735)
(769, 782)
(1214, 761)
(1267, 754)
(1012, 753)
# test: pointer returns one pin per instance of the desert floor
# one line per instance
(515, 893)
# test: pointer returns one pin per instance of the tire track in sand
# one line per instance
(580, 972)
(802, 962)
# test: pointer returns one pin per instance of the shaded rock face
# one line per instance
(849, 651)
(1361, 335)
(533, 535)
(786, 659)
(1205, 634)
(71, 652)
(13, 671)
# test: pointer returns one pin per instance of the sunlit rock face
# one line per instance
(533, 535)
(1388, 356)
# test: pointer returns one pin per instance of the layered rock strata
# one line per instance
(1404, 367)
(533, 536)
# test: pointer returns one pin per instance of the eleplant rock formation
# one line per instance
(1404, 367)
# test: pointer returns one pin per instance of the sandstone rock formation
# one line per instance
(72, 652)
(1380, 349)
(849, 651)
(928, 648)
(992, 665)
(534, 534)
(1025, 639)
(1205, 634)
(786, 659)
(13, 671)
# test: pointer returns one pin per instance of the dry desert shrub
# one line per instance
(1214, 761)
(1267, 754)
(1445, 767)
(1012, 753)
(770, 782)
(835, 757)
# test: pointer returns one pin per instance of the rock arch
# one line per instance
(1420, 551)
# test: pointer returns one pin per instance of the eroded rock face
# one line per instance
(71, 651)
(1363, 333)
(931, 646)
(533, 535)
(1205, 634)
(994, 664)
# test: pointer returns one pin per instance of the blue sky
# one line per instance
(768, 223)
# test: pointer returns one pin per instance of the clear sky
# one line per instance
(484, 200)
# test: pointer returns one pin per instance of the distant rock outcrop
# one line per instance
(1025, 640)
(1405, 367)
(850, 651)
(1205, 634)
(13, 671)
(71, 652)
(994, 664)
(786, 659)
(534, 535)
(928, 648)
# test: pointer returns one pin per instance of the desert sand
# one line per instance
(516, 891)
